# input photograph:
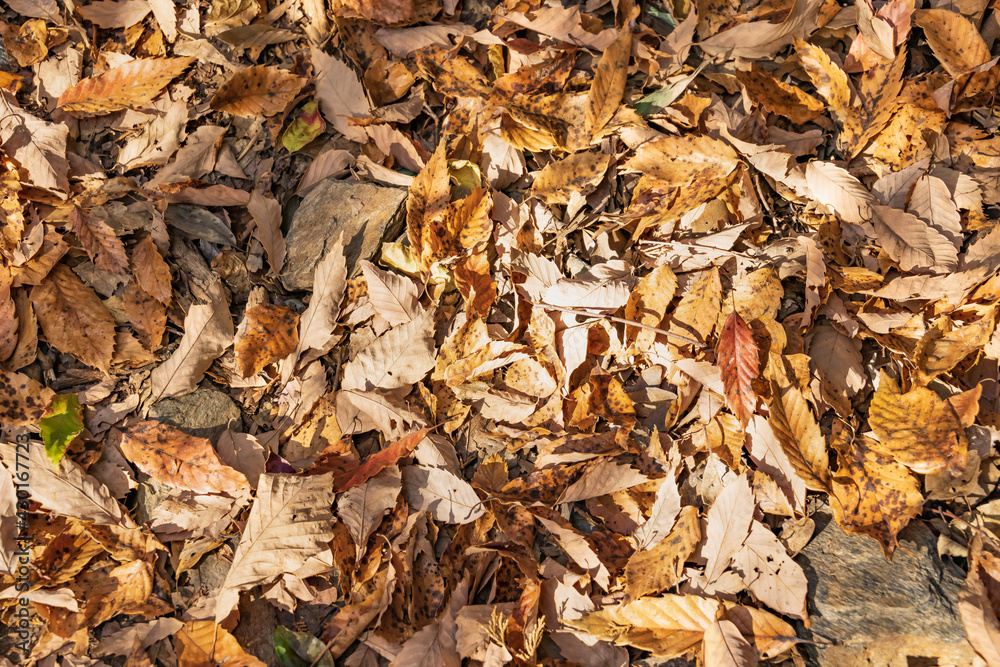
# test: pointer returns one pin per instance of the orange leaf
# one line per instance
(737, 360)
(268, 333)
(257, 91)
(127, 86)
(172, 457)
(95, 236)
(379, 461)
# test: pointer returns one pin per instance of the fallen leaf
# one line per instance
(362, 508)
(401, 356)
(23, 400)
(737, 360)
(793, 422)
(267, 334)
(917, 428)
(73, 318)
(290, 522)
(729, 521)
(394, 297)
(114, 14)
(172, 457)
(61, 423)
(133, 84)
(579, 173)
(266, 213)
(447, 497)
(770, 573)
(679, 161)
(608, 86)
(208, 331)
(659, 568)
(953, 39)
(147, 316)
(257, 91)
(305, 126)
(726, 647)
(340, 94)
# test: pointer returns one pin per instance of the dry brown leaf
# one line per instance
(917, 428)
(208, 331)
(150, 271)
(662, 515)
(778, 97)
(341, 95)
(737, 360)
(267, 334)
(953, 39)
(23, 400)
(659, 568)
(266, 213)
(944, 346)
(667, 626)
(99, 240)
(394, 297)
(793, 422)
(172, 457)
(874, 494)
(74, 319)
(318, 321)
(194, 160)
(681, 160)
(127, 86)
(147, 316)
(608, 86)
(913, 243)
(207, 643)
(579, 174)
(698, 309)
(114, 13)
(257, 91)
(833, 186)
(36, 145)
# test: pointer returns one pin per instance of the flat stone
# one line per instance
(205, 412)
(364, 213)
(876, 612)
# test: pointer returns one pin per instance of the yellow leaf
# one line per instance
(608, 87)
(797, 429)
(953, 39)
(659, 568)
(781, 98)
(917, 428)
(579, 173)
(682, 160)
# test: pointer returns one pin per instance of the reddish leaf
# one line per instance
(737, 360)
(379, 461)
(127, 86)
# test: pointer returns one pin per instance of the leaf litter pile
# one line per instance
(667, 279)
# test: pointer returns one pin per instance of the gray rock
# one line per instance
(877, 612)
(205, 412)
(365, 214)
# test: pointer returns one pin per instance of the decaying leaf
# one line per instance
(266, 334)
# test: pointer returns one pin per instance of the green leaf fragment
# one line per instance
(60, 424)
(299, 649)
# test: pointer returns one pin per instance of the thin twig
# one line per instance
(622, 320)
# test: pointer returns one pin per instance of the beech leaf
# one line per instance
(133, 84)
(737, 352)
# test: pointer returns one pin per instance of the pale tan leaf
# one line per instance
(447, 497)
(362, 508)
(833, 186)
(394, 297)
(728, 525)
(318, 321)
(257, 91)
(399, 357)
(133, 84)
(64, 489)
(363, 411)
(877, 32)
(953, 39)
(912, 242)
(667, 626)
(979, 618)
(266, 213)
(74, 319)
(699, 307)
(37, 145)
(573, 543)
(328, 163)
(771, 635)
(943, 347)
(661, 517)
(605, 287)
(114, 13)
(726, 647)
(208, 331)
(758, 39)
(194, 160)
(930, 200)
(341, 95)
(770, 573)
(165, 13)
(602, 477)
(172, 457)
(289, 523)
